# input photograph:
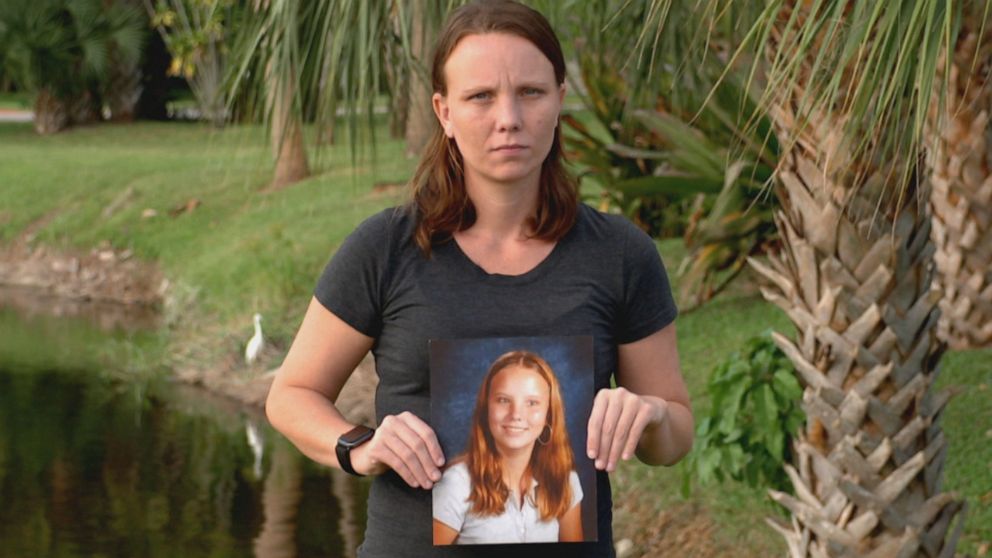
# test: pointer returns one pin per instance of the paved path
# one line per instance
(7, 115)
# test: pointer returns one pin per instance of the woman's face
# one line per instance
(518, 408)
(501, 106)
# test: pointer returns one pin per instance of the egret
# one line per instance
(254, 347)
(257, 446)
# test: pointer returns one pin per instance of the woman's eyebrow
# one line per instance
(474, 89)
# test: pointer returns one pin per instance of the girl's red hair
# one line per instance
(550, 463)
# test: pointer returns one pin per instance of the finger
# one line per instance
(610, 417)
(387, 456)
(636, 431)
(412, 439)
(631, 405)
(410, 459)
(426, 433)
(595, 424)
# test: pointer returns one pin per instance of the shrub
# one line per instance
(755, 412)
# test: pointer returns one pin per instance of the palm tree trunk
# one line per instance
(124, 90)
(854, 277)
(286, 135)
(420, 120)
(50, 114)
(961, 200)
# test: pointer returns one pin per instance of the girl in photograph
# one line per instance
(494, 242)
(516, 483)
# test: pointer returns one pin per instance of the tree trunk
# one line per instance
(420, 117)
(855, 276)
(280, 504)
(961, 200)
(85, 108)
(208, 86)
(397, 76)
(124, 91)
(50, 114)
(857, 285)
(287, 135)
(291, 163)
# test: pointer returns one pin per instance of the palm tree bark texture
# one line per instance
(855, 277)
(961, 197)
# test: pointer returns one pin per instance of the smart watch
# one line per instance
(349, 441)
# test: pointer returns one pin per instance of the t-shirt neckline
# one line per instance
(540, 269)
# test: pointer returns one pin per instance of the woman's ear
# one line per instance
(440, 104)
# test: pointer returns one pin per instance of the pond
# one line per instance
(94, 465)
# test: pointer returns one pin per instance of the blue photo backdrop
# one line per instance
(458, 367)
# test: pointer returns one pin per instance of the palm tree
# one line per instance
(848, 84)
(330, 55)
(62, 51)
(961, 198)
(194, 33)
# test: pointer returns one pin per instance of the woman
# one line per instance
(493, 244)
(516, 483)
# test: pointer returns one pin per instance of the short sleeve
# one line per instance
(647, 304)
(450, 497)
(576, 486)
(352, 282)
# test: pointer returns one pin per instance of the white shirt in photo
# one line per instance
(517, 524)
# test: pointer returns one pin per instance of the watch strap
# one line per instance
(349, 441)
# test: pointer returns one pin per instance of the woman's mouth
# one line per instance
(510, 148)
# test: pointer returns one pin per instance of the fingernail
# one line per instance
(599, 463)
(436, 475)
(611, 466)
(626, 456)
(591, 454)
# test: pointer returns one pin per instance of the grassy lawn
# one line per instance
(15, 101)
(245, 250)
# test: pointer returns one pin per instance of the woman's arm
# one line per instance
(648, 413)
(325, 352)
(570, 525)
(444, 534)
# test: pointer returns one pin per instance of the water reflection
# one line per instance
(107, 316)
(91, 466)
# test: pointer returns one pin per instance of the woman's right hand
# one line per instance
(405, 444)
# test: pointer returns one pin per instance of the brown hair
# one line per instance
(439, 199)
(551, 463)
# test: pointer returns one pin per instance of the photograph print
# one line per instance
(511, 415)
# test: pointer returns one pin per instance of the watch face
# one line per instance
(356, 436)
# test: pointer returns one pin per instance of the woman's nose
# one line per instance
(508, 114)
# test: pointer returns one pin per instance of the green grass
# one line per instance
(242, 250)
(15, 101)
(245, 250)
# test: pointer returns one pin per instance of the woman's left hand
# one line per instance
(619, 418)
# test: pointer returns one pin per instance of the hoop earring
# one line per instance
(544, 442)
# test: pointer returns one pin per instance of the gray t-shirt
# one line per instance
(604, 278)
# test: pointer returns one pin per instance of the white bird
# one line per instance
(257, 446)
(255, 344)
